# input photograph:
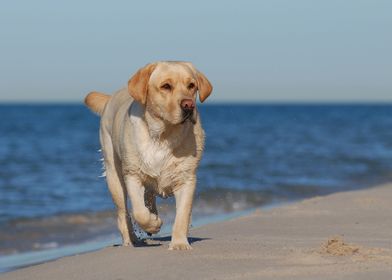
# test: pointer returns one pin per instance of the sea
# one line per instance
(52, 194)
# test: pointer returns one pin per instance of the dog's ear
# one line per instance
(138, 84)
(205, 87)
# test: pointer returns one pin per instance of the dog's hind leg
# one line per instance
(118, 191)
(150, 201)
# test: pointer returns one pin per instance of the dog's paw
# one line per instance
(127, 243)
(130, 241)
(154, 225)
(149, 222)
(180, 246)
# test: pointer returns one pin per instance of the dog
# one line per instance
(152, 141)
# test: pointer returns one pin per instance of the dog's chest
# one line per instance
(160, 170)
(154, 157)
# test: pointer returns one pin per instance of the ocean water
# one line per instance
(51, 192)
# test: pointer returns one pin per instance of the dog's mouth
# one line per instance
(188, 116)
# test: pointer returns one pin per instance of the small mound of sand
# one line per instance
(335, 246)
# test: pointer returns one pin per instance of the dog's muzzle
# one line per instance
(187, 107)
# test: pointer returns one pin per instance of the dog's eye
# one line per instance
(191, 86)
(166, 86)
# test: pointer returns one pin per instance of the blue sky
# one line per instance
(251, 50)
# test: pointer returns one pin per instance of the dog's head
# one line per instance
(169, 89)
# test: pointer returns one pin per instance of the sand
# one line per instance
(340, 236)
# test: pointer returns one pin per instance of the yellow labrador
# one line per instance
(152, 142)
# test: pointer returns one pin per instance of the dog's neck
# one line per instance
(156, 126)
(154, 140)
(160, 130)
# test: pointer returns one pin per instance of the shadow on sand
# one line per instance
(150, 242)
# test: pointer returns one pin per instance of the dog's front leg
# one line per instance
(148, 221)
(184, 199)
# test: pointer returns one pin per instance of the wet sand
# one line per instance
(340, 236)
(38, 234)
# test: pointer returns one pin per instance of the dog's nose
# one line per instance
(187, 104)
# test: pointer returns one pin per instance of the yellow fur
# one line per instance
(149, 148)
(96, 102)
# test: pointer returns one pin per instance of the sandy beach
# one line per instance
(341, 236)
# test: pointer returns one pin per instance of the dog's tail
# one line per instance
(96, 101)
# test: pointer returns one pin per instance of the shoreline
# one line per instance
(65, 232)
(13, 262)
(34, 234)
(345, 234)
